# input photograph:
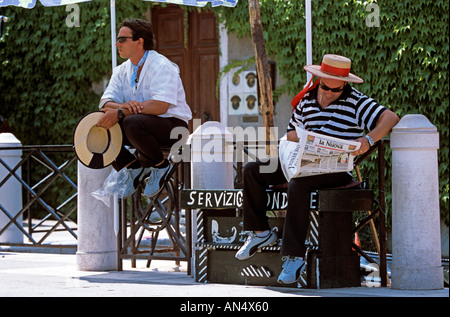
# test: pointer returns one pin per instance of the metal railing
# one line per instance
(156, 217)
(56, 216)
(48, 205)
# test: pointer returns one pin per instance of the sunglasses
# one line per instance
(325, 87)
(123, 39)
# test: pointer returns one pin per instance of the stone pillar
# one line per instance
(211, 157)
(97, 242)
(211, 163)
(416, 246)
(11, 191)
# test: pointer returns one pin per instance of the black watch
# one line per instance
(120, 114)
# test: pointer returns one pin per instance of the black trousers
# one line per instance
(147, 134)
(297, 215)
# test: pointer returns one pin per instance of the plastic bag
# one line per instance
(117, 183)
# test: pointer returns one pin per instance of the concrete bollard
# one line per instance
(416, 246)
(97, 242)
(211, 163)
(11, 191)
(211, 157)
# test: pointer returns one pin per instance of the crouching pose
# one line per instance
(146, 97)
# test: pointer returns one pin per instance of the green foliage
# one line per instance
(47, 68)
(404, 61)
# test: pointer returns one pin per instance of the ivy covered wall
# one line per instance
(47, 68)
(404, 60)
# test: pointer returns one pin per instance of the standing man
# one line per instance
(330, 107)
(146, 97)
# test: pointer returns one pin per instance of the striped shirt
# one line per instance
(347, 117)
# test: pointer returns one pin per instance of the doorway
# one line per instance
(190, 39)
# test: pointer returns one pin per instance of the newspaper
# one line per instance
(315, 153)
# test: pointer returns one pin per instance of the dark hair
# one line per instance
(141, 29)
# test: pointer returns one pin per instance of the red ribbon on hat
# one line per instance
(300, 95)
(344, 72)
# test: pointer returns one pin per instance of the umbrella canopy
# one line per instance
(197, 3)
(29, 4)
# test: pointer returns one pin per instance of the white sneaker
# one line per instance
(292, 269)
(254, 244)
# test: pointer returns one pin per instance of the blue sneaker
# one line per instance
(133, 177)
(155, 180)
(292, 269)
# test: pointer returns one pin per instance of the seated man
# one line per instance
(330, 107)
(146, 96)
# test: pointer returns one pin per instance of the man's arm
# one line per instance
(384, 125)
(110, 109)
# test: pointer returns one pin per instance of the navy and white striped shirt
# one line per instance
(347, 117)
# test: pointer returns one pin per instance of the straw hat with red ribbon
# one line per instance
(332, 67)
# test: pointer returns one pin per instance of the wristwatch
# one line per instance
(371, 141)
(120, 114)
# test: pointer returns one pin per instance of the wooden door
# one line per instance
(194, 46)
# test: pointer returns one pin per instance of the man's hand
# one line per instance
(109, 119)
(292, 136)
(133, 106)
(365, 146)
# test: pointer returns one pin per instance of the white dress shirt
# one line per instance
(159, 80)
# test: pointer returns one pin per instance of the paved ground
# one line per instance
(24, 272)
(56, 275)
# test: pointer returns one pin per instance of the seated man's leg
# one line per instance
(255, 207)
(125, 158)
(147, 133)
(127, 163)
(297, 220)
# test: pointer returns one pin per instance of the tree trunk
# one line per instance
(262, 68)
